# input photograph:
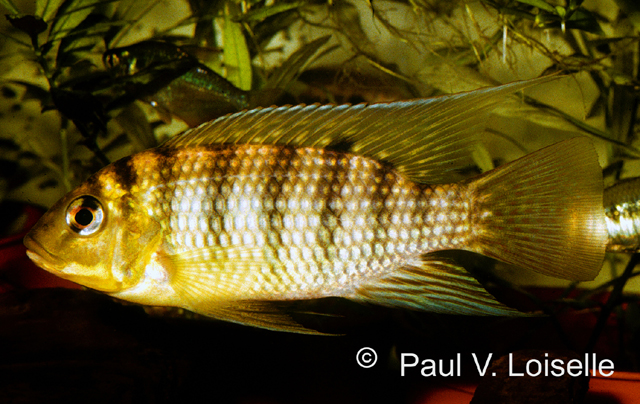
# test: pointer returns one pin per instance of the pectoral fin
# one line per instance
(215, 274)
(218, 283)
(434, 284)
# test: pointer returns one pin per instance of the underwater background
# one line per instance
(86, 82)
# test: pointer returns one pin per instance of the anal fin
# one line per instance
(436, 284)
(261, 314)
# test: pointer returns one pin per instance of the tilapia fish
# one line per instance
(304, 202)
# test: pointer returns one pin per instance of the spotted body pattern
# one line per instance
(315, 223)
(291, 203)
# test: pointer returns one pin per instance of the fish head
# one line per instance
(95, 236)
(119, 62)
(136, 58)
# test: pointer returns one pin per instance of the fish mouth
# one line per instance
(41, 257)
(49, 262)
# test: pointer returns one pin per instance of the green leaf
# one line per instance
(629, 150)
(46, 9)
(236, 54)
(33, 92)
(135, 124)
(583, 19)
(8, 4)
(128, 13)
(263, 31)
(70, 15)
(573, 4)
(542, 5)
(19, 41)
(262, 13)
(28, 24)
(294, 64)
(81, 40)
(547, 20)
(482, 158)
(347, 18)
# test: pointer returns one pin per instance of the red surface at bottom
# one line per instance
(16, 269)
(619, 388)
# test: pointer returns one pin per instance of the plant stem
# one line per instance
(615, 298)
(64, 145)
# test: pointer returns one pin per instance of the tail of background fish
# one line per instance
(544, 212)
(622, 208)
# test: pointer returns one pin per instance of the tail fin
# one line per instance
(544, 211)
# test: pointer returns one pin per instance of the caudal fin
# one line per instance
(544, 211)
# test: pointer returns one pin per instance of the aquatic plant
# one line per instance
(66, 115)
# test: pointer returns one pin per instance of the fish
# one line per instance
(291, 203)
(174, 82)
(622, 211)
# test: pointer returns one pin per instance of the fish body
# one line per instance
(622, 210)
(199, 95)
(174, 82)
(293, 203)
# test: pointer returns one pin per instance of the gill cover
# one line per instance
(95, 238)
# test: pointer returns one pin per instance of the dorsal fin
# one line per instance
(425, 139)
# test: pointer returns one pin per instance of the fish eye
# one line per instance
(85, 215)
(110, 60)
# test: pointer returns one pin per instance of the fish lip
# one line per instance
(49, 262)
(41, 257)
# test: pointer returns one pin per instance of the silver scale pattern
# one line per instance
(309, 222)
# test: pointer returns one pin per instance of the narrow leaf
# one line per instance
(8, 4)
(33, 92)
(347, 17)
(294, 64)
(629, 150)
(131, 12)
(584, 20)
(561, 11)
(262, 13)
(135, 124)
(236, 54)
(542, 5)
(482, 158)
(46, 9)
(28, 24)
(70, 15)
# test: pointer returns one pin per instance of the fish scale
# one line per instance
(360, 220)
(234, 217)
